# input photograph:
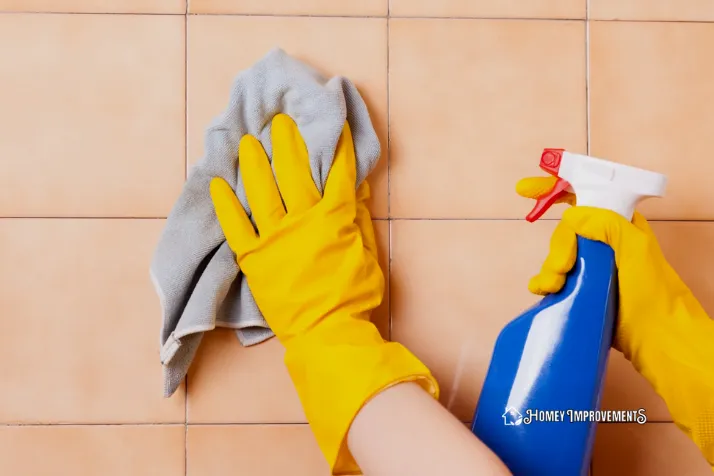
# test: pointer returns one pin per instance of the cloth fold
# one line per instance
(194, 272)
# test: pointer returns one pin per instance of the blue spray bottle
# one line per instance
(539, 404)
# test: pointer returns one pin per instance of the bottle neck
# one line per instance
(617, 201)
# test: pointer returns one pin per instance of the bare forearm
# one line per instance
(403, 430)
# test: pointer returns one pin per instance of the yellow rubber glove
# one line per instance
(662, 329)
(312, 268)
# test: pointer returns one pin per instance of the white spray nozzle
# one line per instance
(597, 183)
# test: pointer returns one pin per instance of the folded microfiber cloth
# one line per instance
(199, 284)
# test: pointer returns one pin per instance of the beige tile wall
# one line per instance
(103, 104)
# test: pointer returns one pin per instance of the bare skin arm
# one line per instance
(403, 430)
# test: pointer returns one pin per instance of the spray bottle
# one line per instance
(539, 404)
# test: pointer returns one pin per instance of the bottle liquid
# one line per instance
(537, 408)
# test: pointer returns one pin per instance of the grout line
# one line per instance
(280, 15)
(653, 220)
(390, 220)
(389, 280)
(129, 14)
(185, 431)
(420, 17)
(87, 424)
(423, 17)
(253, 424)
(635, 20)
(405, 17)
(77, 218)
(185, 94)
(389, 134)
(185, 177)
(185, 424)
(587, 74)
(266, 423)
(389, 183)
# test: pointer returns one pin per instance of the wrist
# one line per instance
(337, 368)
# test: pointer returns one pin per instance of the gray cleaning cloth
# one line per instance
(195, 274)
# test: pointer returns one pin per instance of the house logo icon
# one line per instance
(512, 417)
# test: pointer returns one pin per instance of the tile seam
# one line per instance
(185, 94)
(250, 424)
(178, 425)
(29, 217)
(282, 15)
(401, 17)
(587, 74)
(651, 220)
(185, 429)
(154, 14)
(97, 218)
(389, 179)
(32, 425)
(177, 14)
(185, 171)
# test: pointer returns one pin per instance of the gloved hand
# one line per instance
(312, 268)
(662, 329)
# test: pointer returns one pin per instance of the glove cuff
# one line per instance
(335, 378)
(677, 359)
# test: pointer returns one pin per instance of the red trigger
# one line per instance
(544, 202)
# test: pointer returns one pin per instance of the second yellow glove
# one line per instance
(662, 329)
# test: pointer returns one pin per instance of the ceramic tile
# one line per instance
(656, 449)
(234, 384)
(93, 114)
(357, 50)
(150, 450)
(472, 105)
(94, 6)
(683, 10)
(626, 389)
(573, 9)
(291, 7)
(454, 288)
(687, 247)
(80, 323)
(651, 102)
(228, 383)
(252, 449)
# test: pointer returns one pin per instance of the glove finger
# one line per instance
(342, 179)
(364, 220)
(560, 260)
(260, 187)
(599, 224)
(234, 222)
(292, 166)
(536, 187)
(641, 223)
(644, 227)
(543, 284)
